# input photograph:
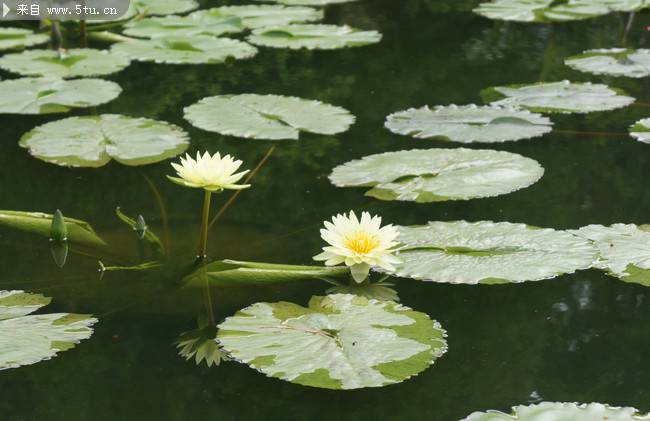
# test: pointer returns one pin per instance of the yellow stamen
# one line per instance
(361, 242)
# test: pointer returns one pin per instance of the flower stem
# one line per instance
(204, 225)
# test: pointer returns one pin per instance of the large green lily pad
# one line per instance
(468, 123)
(308, 2)
(641, 130)
(613, 62)
(261, 16)
(76, 62)
(197, 23)
(93, 141)
(29, 338)
(434, 175)
(198, 49)
(557, 411)
(341, 341)
(17, 38)
(46, 96)
(313, 37)
(558, 97)
(267, 116)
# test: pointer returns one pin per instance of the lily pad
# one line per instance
(558, 97)
(40, 223)
(197, 23)
(260, 16)
(341, 341)
(163, 7)
(76, 62)
(557, 411)
(488, 252)
(468, 123)
(93, 141)
(271, 117)
(312, 37)
(46, 96)
(435, 175)
(185, 50)
(27, 338)
(17, 38)
(641, 130)
(308, 2)
(613, 62)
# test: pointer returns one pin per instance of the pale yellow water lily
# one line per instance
(213, 173)
(359, 243)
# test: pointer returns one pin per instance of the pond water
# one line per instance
(580, 337)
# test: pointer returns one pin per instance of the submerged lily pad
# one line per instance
(313, 37)
(93, 141)
(435, 175)
(197, 23)
(46, 96)
(341, 341)
(260, 16)
(641, 130)
(76, 62)
(613, 62)
(468, 123)
(267, 116)
(558, 97)
(557, 411)
(185, 50)
(27, 339)
(463, 252)
(17, 38)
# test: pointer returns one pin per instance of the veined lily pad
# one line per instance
(313, 37)
(435, 175)
(557, 411)
(341, 341)
(27, 339)
(641, 130)
(468, 123)
(185, 50)
(260, 16)
(624, 250)
(16, 38)
(463, 252)
(308, 2)
(46, 96)
(197, 23)
(93, 141)
(613, 62)
(40, 223)
(558, 97)
(77, 62)
(267, 116)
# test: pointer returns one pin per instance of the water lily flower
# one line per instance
(211, 173)
(360, 244)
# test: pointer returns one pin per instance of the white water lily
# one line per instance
(360, 244)
(212, 173)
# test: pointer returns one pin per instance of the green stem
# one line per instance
(204, 225)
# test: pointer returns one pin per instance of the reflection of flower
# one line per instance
(359, 244)
(212, 173)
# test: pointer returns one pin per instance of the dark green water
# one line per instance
(582, 337)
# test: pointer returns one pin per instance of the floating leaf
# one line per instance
(463, 252)
(16, 38)
(613, 62)
(309, 2)
(313, 37)
(341, 341)
(41, 223)
(558, 97)
(381, 291)
(163, 7)
(46, 96)
(78, 62)
(468, 123)
(267, 116)
(253, 16)
(556, 411)
(197, 23)
(641, 130)
(185, 50)
(93, 141)
(27, 339)
(435, 175)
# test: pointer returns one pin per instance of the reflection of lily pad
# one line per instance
(489, 252)
(641, 130)
(468, 123)
(260, 16)
(29, 338)
(197, 23)
(267, 116)
(556, 411)
(434, 175)
(78, 62)
(340, 341)
(185, 50)
(313, 37)
(94, 141)
(16, 38)
(558, 97)
(613, 62)
(46, 96)
(200, 345)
